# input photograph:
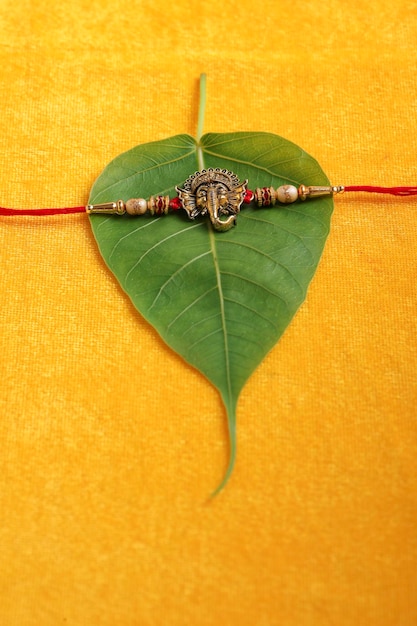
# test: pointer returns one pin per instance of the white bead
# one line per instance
(287, 194)
(136, 206)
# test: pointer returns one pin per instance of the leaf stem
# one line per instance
(201, 115)
(202, 106)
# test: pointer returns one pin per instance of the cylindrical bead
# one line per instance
(265, 196)
(158, 205)
(107, 207)
(316, 191)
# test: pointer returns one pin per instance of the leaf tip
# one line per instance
(231, 420)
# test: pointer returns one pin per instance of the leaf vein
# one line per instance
(147, 170)
(156, 245)
(255, 312)
(176, 273)
(255, 218)
(252, 282)
(141, 226)
(267, 256)
(256, 166)
(190, 306)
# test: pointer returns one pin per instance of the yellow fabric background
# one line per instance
(109, 443)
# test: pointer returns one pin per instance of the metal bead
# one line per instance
(121, 207)
(109, 208)
(158, 205)
(163, 205)
(259, 196)
(136, 206)
(151, 205)
(303, 192)
(317, 191)
(287, 194)
(265, 196)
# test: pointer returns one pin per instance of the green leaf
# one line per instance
(220, 299)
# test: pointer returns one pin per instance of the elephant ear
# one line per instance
(188, 202)
(220, 299)
(236, 196)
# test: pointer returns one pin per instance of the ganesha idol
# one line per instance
(216, 192)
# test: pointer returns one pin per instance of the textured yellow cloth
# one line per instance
(109, 443)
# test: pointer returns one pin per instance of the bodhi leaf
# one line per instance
(220, 299)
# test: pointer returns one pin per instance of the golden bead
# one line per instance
(258, 196)
(121, 207)
(166, 205)
(151, 205)
(303, 192)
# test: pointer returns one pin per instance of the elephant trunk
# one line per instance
(213, 206)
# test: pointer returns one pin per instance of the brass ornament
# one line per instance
(216, 192)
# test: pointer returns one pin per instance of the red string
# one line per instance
(394, 191)
(75, 209)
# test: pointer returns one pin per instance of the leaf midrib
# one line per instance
(222, 300)
(200, 149)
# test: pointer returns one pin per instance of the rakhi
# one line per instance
(219, 296)
(217, 193)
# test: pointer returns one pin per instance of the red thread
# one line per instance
(394, 191)
(175, 204)
(249, 197)
(76, 209)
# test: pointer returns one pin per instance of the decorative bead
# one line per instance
(136, 206)
(287, 194)
(158, 205)
(151, 205)
(175, 204)
(163, 205)
(303, 192)
(316, 191)
(265, 196)
(108, 208)
(121, 207)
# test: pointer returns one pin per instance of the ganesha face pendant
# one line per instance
(216, 192)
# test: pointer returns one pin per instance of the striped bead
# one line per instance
(158, 205)
(265, 196)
